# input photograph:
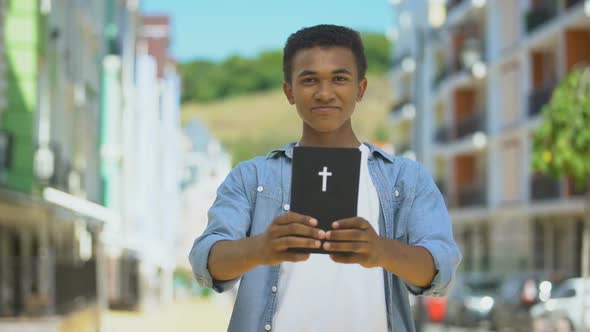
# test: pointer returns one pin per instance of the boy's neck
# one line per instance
(345, 139)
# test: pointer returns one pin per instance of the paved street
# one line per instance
(440, 328)
(190, 315)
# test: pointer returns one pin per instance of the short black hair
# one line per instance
(324, 35)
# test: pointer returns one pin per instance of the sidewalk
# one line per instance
(190, 315)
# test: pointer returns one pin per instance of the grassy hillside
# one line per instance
(254, 124)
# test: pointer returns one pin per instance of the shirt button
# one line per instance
(274, 289)
(260, 189)
(267, 327)
(286, 207)
(396, 193)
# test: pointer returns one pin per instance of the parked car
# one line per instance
(428, 309)
(471, 300)
(518, 292)
(435, 308)
(563, 311)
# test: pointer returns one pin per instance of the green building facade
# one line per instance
(17, 119)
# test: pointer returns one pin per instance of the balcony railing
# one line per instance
(472, 195)
(473, 49)
(399, 106)
(453, 3)
(441, 75)
(576, 188)
(443, 134)
(398, 60)
(571, 3)
(470, 124)
(449, 69)
(539, 15)
(544, 187)
(539, 97)
(456, 66)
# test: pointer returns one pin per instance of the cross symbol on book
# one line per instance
(324, 174)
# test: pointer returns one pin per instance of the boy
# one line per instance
(401, 240)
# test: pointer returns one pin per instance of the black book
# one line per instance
(325, 185)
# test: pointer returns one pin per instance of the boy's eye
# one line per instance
(308, 80)
(340, 78)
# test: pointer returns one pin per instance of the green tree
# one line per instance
(204, 80)
(378, 51)
(561, 145)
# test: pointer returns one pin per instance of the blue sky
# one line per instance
(215, 29)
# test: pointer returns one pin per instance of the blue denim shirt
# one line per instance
(257, 191)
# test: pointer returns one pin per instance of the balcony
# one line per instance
(441, 75)
(453, 3)
(539, 15)
(472, 195)
(544, 187)
(398, 60)
(451, 68)
(398, 107)
(577, 189)
(472, 51)
(470, 124)
(571, 3)
(539, 97)
(443, 134)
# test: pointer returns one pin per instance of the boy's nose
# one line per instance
(325, 91)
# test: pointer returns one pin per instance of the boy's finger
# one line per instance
(287, 242)
(299, 230)
(295, 257)
(345, 258)
(355, 222)
(347, 235)
(345, 246)
(293, 217)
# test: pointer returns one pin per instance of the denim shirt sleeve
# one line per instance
(228, 219)
(429, 226)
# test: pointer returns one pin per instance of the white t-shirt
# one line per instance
(321, 295)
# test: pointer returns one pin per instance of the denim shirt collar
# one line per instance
(287, 150)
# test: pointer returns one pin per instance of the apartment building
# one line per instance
(469, 91)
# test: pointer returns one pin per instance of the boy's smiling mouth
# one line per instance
(325, 109)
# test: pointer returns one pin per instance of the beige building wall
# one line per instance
(511, 94)
(511, 172)
(511, 21)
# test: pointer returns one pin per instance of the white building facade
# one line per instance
(468, 108)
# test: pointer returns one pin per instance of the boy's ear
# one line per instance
(288, 93)
(361, 90)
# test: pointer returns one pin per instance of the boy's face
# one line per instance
(325, 87)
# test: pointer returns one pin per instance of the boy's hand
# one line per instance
(291, 230)
(357, 242)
